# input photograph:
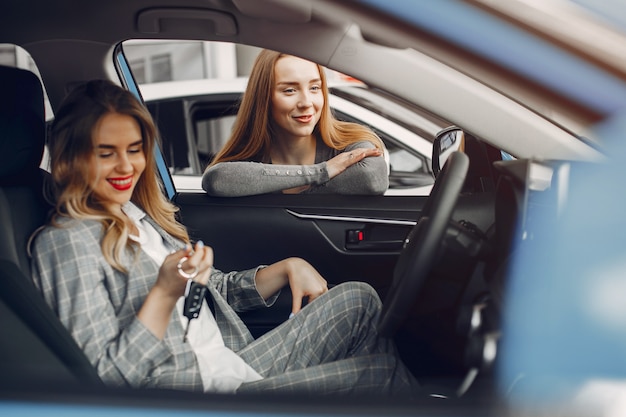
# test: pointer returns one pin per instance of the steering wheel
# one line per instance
(422, 244)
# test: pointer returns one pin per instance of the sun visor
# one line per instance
(165, 20)
(285, 11)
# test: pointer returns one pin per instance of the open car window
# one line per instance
(193, 89)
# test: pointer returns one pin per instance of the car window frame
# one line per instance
(124, 72)
(402, 182)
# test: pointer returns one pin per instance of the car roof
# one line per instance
(190, 88)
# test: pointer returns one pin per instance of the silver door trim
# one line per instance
(351, 219)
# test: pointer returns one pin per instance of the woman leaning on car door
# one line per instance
(285, 138)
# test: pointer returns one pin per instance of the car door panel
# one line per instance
(248, 231)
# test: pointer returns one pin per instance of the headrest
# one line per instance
(22, 126)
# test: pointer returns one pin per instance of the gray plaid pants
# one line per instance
(330, 347)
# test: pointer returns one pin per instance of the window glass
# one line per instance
(161, 66)
(212, 135)
(164, 60)
(402, 160)
(139, 70)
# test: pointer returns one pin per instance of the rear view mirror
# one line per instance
(448, 140)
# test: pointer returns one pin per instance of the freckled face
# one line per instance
(119, 159)
(297, 97)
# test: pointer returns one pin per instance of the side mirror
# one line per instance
(448, 140)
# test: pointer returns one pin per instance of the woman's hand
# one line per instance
(344, 160)
(200, 260)
(304, 280)
(157, 308)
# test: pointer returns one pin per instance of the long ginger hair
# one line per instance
(252, 134)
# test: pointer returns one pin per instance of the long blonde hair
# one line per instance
(252, 134)
(71, 147)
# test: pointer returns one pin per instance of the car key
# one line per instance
(194, 294)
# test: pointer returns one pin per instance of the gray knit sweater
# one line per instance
(237, 179)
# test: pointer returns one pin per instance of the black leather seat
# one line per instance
(22, 136)
(35, 348)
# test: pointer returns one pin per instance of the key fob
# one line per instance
(194, 294)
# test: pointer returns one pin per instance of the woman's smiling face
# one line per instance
(297, 97)
(118, 160)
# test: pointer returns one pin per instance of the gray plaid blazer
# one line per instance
(99, 304)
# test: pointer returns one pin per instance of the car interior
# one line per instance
(322, 234)
(439, 263)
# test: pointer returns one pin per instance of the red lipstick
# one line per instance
(121, 184)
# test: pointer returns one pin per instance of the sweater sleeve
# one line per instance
(239, 178)
(70, 271)
(367, 177)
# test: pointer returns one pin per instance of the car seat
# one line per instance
(35, 347)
